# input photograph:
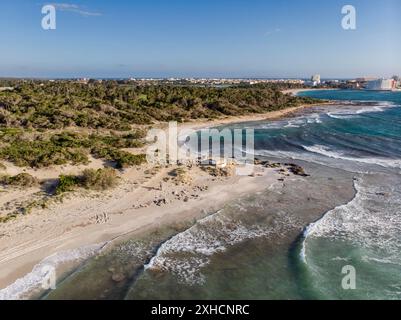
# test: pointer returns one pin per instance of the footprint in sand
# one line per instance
(101, 218)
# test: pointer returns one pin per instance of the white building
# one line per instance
(314, 81)
(316, 78)
(381, 85)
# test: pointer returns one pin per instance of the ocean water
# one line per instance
(292, 240)
(366, 232)
(362, 135)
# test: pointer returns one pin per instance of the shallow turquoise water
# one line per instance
(354, 95)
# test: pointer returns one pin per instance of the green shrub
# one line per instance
(125, 141)
(4, 132)
(4, 179)
(126, 159)
(69, 140)
(20, 180)
(41, 153)
(101, 179)
(77, 156)
(8, 217)
(122, 158)
(67, 183)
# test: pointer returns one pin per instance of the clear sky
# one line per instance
(211, 38)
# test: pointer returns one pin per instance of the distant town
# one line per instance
(366, 83)
(315, 81)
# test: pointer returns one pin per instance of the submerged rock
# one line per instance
(297, 170)
(118, 277)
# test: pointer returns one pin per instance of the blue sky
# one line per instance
(213, 38)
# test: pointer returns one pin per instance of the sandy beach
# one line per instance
(146, 197)
(296, 91)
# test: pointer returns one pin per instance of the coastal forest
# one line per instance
(45, 123)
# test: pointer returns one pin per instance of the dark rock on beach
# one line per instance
(297, 170)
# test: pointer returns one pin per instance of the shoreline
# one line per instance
(285, 230)
(271, 115)
(80, 222)
(17, 262)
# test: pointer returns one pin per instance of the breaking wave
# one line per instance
(369, 235)
(187, 253)
(23, 287)
(325, 151)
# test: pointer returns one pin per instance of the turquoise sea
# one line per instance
(366, 232)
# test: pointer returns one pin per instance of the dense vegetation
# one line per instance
(101, 179)
(56, 105)
(37, 149)
(41, 123)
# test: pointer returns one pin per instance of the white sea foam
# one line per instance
(22, 287)
(340, 115)
(350, 166)
(355, 111)
(307, 231)
(188, 252)
(371, 109)
(314, 118)
(294, 124)
(364, 222)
